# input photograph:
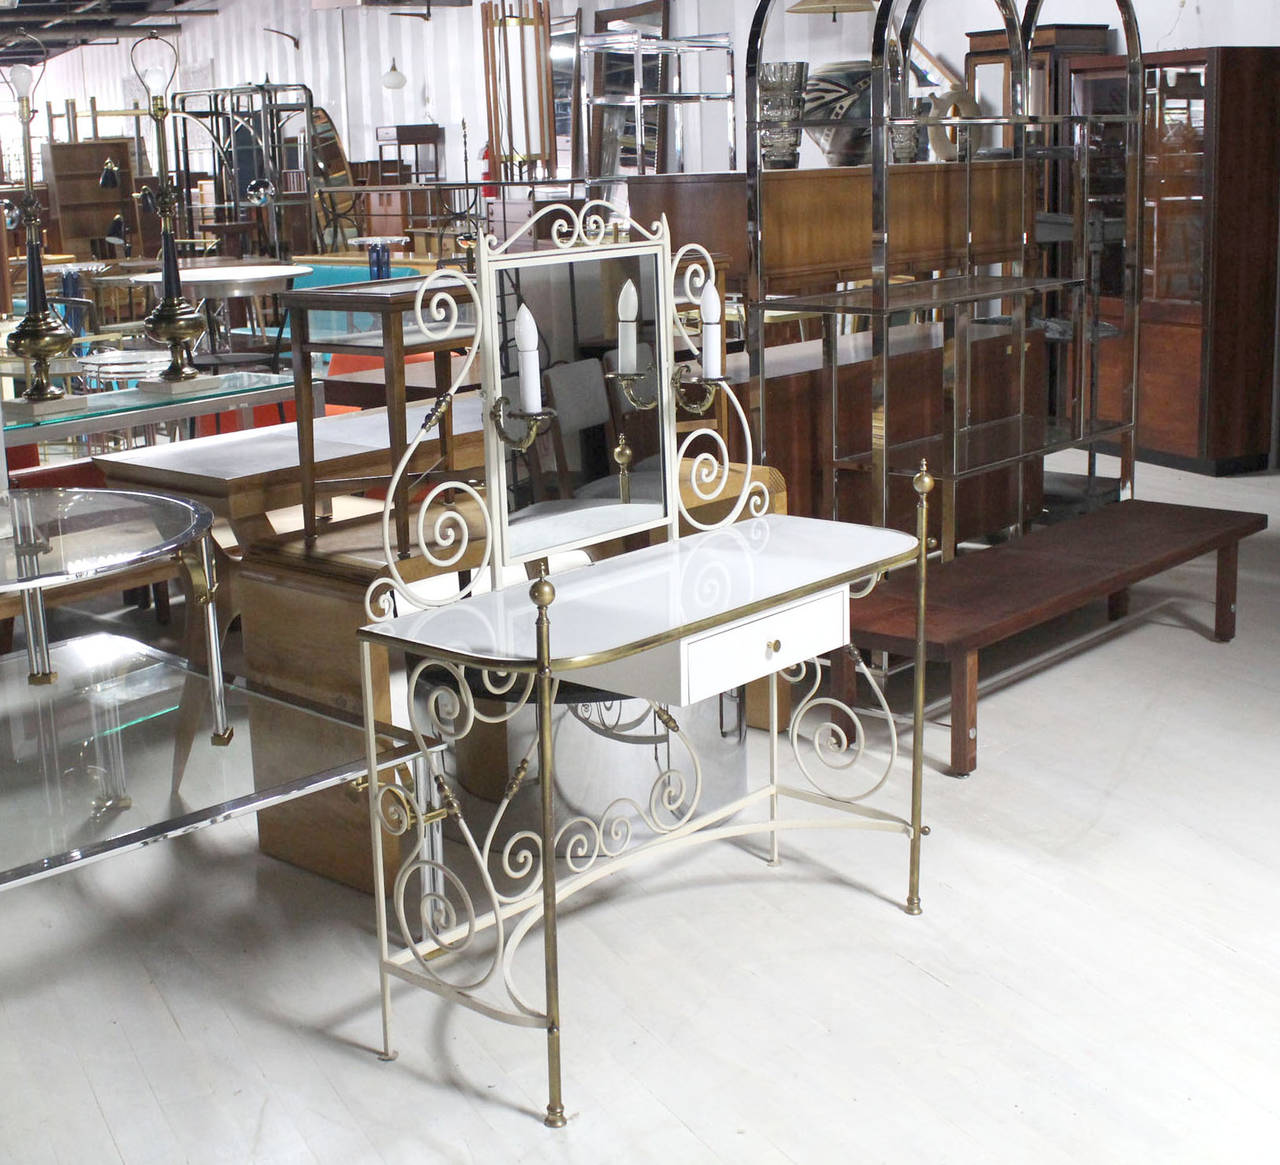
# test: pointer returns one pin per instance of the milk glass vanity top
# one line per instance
(51, 536)
(654, 595)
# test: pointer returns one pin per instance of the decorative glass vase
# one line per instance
(781, 88)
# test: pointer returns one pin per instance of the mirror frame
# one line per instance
(577, 236)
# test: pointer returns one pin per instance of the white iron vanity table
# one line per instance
(642, 634)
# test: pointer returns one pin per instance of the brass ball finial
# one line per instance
(542, 592)
(922, 483)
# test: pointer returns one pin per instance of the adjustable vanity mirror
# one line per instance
(578, 345)
(574, 332)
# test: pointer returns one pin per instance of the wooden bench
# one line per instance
(979, 599)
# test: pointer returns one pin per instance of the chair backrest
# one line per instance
(577, 392)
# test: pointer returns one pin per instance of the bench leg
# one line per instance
(1118, 605)
(1224, 614)
(964, 714)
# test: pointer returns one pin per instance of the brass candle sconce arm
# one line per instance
(532, 424)
(627, 382)
(695, 394)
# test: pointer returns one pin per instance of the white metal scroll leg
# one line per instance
(39, 664)
(375, 826)
(222, 730)
(775, 858)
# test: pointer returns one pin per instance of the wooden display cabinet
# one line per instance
(81, 207)
(1049, 80)
(1206, 381)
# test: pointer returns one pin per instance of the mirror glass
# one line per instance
(336, 211)
(564, 90)
(569, 489)
(615, 137)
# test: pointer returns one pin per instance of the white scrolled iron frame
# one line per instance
(440, 916)
(450, 916)
(447, 524)
(441, 532)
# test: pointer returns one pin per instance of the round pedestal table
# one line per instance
(50, 537)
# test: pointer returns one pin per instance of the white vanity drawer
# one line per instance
(687, 670)
(733, 655)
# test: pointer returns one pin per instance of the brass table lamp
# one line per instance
(41, 335)
(173, 321)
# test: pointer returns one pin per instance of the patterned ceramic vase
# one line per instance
(841, 92)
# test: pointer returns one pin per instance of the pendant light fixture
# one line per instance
(393, 78)
(822, 7)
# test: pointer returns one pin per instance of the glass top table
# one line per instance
(50, 537)
(99, 412)
(232, 280)
(108, 760)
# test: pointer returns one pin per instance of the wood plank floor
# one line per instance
(1094, 979)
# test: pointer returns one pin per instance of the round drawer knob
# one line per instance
(774, 645)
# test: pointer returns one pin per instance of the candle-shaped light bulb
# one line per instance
(22, 79)
(709, 306)
(527, 348)
(628, 309)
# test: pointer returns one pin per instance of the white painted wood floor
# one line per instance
(1094, 978)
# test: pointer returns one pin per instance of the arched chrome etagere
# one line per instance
(953, 248)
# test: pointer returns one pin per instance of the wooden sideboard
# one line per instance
(815, 221)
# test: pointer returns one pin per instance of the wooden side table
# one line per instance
(387, 300)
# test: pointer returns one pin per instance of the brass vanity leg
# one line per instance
(923, 483)
(375, 825)
(542, 593)
(774, 857)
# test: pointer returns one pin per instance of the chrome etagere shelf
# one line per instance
(654, 81)
(964, 239)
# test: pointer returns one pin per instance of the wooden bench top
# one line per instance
(981, 598)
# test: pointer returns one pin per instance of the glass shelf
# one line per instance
(656, 99)
(115, 755)
(981, 448)
(920, 295)
(631, 40)
(121, 403)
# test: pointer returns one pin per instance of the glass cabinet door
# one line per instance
(1102, 98)
(1173, 266)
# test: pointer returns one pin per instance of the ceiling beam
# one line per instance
(14, 18)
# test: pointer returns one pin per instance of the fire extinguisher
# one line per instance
(485, 174)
